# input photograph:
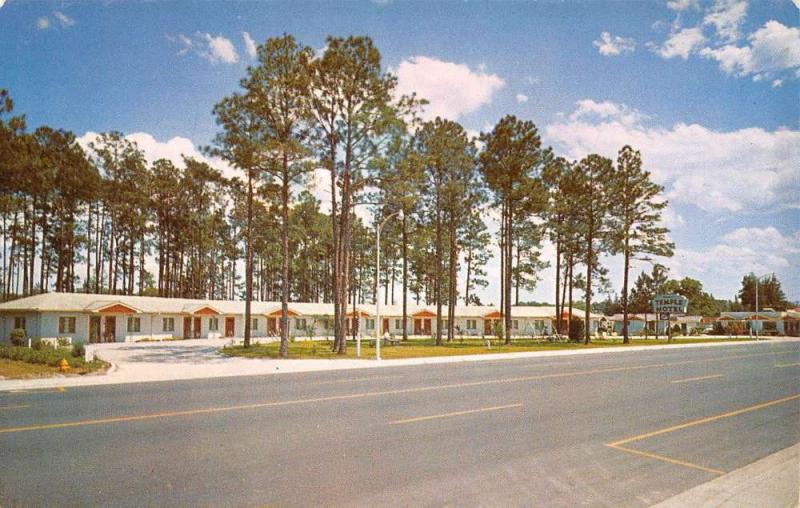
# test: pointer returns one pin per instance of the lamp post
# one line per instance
(378, 323)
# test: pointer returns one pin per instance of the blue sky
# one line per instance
(707, 91)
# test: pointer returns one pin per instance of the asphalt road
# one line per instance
(621, 429)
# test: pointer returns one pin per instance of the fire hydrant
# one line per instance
(63, 365)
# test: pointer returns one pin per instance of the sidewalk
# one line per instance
(773, 481)
(194, 359)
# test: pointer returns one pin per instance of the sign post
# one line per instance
(665, 306)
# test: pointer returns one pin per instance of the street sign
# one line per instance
(670, 304)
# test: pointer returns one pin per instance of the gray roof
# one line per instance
(89, 303)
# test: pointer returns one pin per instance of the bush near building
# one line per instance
(44, 354)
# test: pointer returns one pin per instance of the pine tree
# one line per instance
(634, 229)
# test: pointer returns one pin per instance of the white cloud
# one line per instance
(726, 16)
(777, 242)
(777, 83)
(680, 43)
(741, 251)
(452, 89)
(219, 49)
(215, 49)
(609, 45)
(174, 149)
(43, 23)
(587, 109)
(743, 171)
(531, 80)
(772, 48)
(522, 98)
(249, 45)
(682, 5)
(62, 18)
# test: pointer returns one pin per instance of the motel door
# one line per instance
(272, 326)
(385, 325)
(422, 326)
(187, 326)
(94, 329)
(488, 326)
(196, 328)
(229, 328)
(110, 329)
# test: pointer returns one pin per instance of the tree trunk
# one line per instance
(405, 279)
(559, 311)
(284, 349)
(588, 290)
(509, 260)
(248, 259)
(625, 338)
(453, 275)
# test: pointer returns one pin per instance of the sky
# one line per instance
(707, 91)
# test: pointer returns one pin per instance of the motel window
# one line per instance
(66, 325)
(134, 324)
(168, 324)
(515, 324)
(471, 325)
(300, 323)
(255, 324)
(19, 322)
(370, 324)
(540, 324)
(326, 324)
(444, 324)
(213, 324)
(398, 324)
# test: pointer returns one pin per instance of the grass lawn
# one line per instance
(14, 369)
(416, 348)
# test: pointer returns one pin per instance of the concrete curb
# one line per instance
(771, 481)
(140, 372)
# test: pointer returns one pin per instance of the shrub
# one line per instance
(576, 329)
(17, 337)
(62, 342)
(39, 345)
(78, 350)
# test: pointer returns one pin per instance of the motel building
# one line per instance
(93, 318)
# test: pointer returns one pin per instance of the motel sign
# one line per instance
(667, 305)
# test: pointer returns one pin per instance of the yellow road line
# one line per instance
(689, 379)
(666, 459)
(704, 420)
(456, 413)
(19, 406)
(519, 379)
(782, 365)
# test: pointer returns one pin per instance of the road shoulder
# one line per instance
(771, 481)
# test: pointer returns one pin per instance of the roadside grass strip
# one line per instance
(619, 445)
(421, 389)
(455, 413)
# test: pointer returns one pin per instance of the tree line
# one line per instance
(130, 227)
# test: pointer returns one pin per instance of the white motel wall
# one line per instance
(115, 318)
